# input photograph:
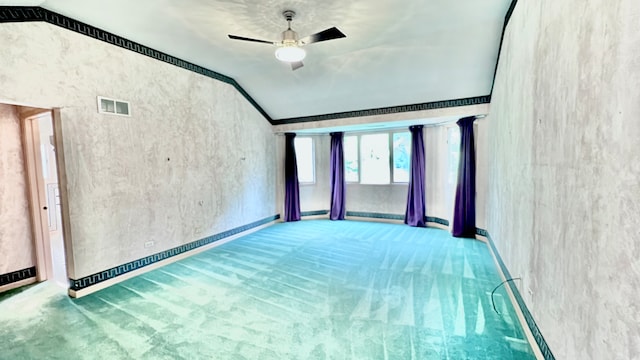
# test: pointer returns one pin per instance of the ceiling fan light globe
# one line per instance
(290, 54)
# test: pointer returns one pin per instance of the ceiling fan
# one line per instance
(290, 48)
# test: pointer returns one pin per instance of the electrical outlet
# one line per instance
(197, 230)
(149, 244)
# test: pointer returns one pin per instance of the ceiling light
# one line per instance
(290, 54)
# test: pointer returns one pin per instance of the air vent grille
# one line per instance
(113, 107)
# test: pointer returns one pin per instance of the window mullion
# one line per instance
(390, 144)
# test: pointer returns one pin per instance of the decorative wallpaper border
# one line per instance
(437, 220)
(314, 212)
(18, 275)
(482, 232)
(36, 13)
(104, 275)
(485, 99)
(375, 215)
(537, 335)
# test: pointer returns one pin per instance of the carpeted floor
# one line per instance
(314, 289)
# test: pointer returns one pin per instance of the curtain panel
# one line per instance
(292, 188)
(338, 208)
(464, 214)
(415, 213)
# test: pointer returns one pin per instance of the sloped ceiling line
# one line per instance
(35, 13)
(29, 14)
(507, 17)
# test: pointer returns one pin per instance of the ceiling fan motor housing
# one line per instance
(289, 37)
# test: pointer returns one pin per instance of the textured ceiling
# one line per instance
(395, 53)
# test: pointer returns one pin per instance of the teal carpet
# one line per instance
(314, 289)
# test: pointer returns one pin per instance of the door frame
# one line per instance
(36, 189)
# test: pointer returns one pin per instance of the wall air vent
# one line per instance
(113, 107)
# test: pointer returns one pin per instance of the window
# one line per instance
(374, 158)
(377, 158)
(305, 159)
(453, 140)
(350, 148)
(401, 156)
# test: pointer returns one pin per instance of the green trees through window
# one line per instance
(401, 156)
(351, 164)
(378, 158)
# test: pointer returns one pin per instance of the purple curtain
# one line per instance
(415, 214)
(292, 189)
(464, 215)
(337, 177)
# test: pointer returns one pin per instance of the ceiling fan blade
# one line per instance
(329, 34)
(234, 37)
(296, 65)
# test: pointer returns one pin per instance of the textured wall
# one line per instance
(481, 138)
(194, 159)
(438, 196)
(16, 240)
(564, 197)
(390, 199)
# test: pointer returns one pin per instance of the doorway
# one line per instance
(42, 173)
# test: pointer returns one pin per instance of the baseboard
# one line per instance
(375, 215)
(94, 282)
(436, 222)
(18, 278)
(520, 305)
(431, 221)
(437, 226)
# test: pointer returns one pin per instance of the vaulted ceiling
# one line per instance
(395, 53)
